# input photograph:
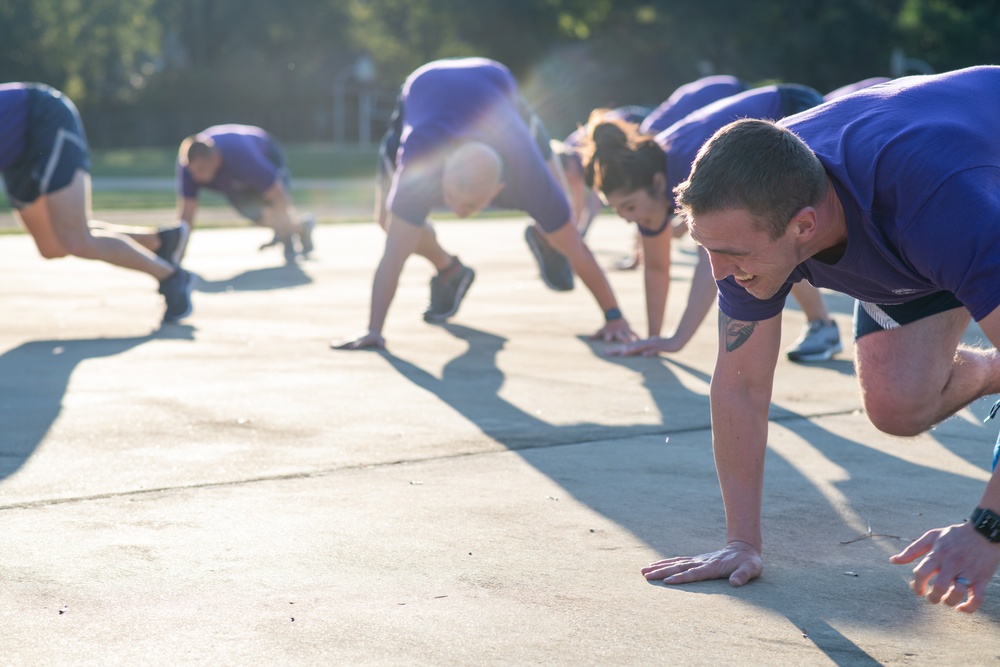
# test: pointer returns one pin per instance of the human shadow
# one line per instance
(257, 280)
(667, 494)
(470, 383)
(33, 380)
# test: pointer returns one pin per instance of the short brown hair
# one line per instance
(756, 166)
(195, 147)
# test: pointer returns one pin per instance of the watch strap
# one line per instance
(987, 523)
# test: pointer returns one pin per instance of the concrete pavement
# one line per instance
(231, 491)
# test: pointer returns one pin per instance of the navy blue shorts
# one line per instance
(251, 203)
(56, 147)
(871, 317)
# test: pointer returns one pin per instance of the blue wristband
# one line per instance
(612, 314)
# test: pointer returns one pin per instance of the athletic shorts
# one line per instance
(796, 98)
(251, 203)
(870, 317)
(56, 147)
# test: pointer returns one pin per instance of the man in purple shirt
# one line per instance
(890, 195)
(460, 138)
(45, 162)
(689, 98)
(246, 165)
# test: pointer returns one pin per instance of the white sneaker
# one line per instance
(819, 341)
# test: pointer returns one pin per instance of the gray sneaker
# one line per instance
(306, 226)
(552, 264)
(819, 341)
(447, 290)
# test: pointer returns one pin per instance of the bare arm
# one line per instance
(402, 239)
(568, 241)
(700, 300)
(656, 262)
(958, 551)
(186, 209)
(740, 396)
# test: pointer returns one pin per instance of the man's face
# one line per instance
(640, 207)
(203, 169)
(736, 247)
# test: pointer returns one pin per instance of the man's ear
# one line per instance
(804, 223)
(499, 187)
(660, 182)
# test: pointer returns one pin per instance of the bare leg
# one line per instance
(59, 223)
(811, 302)
(917, 375)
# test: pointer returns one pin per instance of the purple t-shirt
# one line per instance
(250, 162)
(855, 87)
(916, 165)
(13, 123)
(448, 102)
(682, 140)
(689, 98)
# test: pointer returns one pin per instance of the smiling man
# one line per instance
(462, 137)
(890, 195)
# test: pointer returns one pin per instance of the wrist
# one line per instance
(614, 313)
(986, 523)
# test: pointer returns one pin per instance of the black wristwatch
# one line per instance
(987, 523)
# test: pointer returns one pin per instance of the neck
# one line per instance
(832, 225)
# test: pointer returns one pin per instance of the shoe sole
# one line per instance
(463, 286)
(529, 236)
(190, 288)
(825, 355)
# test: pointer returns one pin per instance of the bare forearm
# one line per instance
(739, 437)
(699, 303)
(657, 288)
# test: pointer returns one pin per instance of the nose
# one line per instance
(722, 267)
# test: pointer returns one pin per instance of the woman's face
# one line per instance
(647, 208)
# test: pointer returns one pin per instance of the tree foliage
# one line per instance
(168, 66)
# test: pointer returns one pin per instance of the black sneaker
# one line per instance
(552, 264)
(176, 290)
(447, 290)
(306, 227)
(173, 241)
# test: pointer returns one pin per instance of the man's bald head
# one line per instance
(472, 178)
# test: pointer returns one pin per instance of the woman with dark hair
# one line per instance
(636, 175)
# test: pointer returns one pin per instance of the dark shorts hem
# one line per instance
(871, 317)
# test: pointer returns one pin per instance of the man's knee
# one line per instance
(52, 252)
(898, 412)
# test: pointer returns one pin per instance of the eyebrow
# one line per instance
(718, 251)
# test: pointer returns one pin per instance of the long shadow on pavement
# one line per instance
(257, 280)
(33, 381)
(646, 488)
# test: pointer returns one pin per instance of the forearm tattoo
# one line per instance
(734, 332)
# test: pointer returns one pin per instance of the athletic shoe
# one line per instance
(552, 264)
(819, 341)
(447, 290)
(306, 227)
(176, 290)
(996, 447)
(291, 254)
(173, 241)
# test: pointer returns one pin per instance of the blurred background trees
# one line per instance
(149, 72)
